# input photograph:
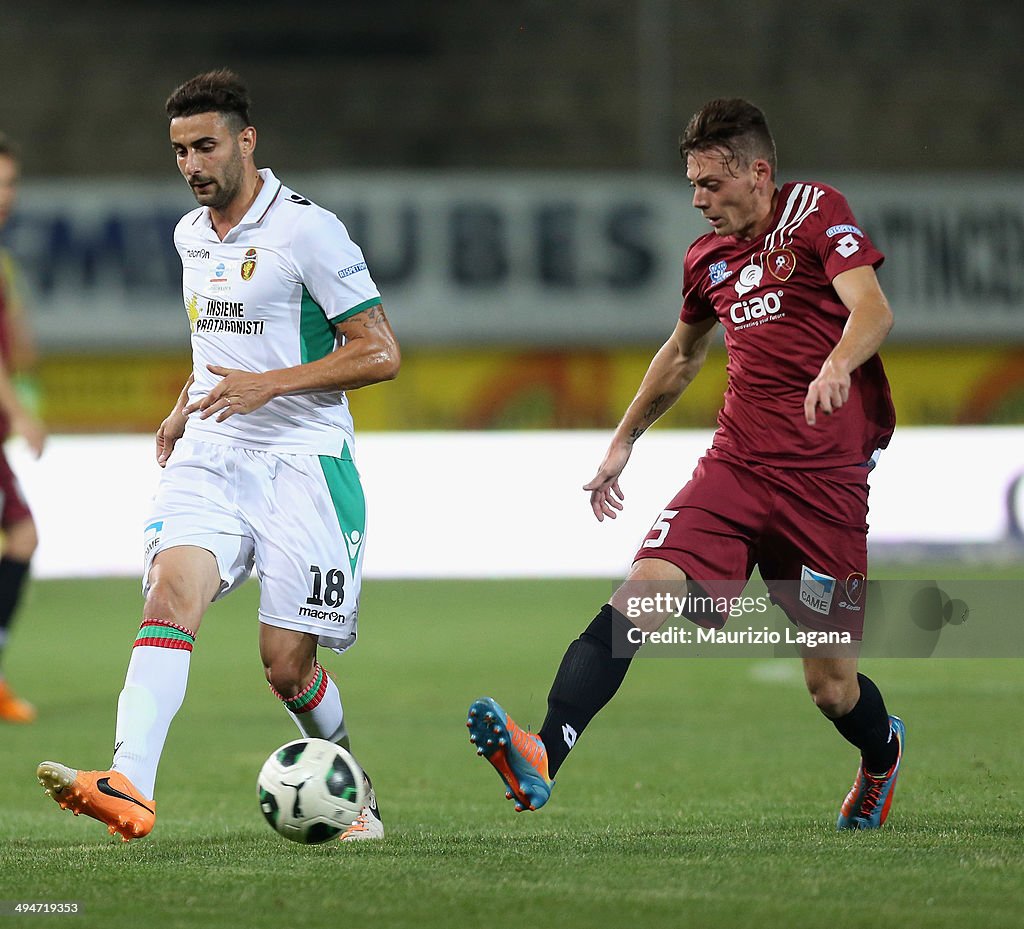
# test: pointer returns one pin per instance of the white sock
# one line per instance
(317, 710)
(154, 689)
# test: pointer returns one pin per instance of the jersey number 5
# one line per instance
(662, 527)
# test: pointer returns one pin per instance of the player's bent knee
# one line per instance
(648, 578)
(656, 569)
(182, 581)
(288, 678)
(173, 601)
(832, 696)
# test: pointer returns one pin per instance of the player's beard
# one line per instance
(223, 190)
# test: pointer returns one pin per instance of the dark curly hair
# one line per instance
(220, 91)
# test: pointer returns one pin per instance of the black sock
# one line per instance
(12, 581)
(867, 727)
(586, 680)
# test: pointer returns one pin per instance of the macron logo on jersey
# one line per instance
(353, 542)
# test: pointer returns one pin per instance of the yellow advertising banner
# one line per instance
(506, 388)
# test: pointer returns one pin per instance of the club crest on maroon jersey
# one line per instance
(854, 587)
(781, 263)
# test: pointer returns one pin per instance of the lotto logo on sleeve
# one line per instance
(816, 590)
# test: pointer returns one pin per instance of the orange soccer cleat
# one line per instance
(104, 795)
(12, 708)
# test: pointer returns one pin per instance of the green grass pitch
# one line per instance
(705, 795)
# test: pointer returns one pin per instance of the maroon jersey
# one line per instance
(782, 318)
(6, 286)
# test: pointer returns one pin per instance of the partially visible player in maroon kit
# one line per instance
(19, 529)
(791, 277)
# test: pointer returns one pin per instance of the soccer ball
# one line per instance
(311, 790)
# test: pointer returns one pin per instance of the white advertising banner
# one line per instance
(487, 505)
(474, 258)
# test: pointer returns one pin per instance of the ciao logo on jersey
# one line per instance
(757, 310)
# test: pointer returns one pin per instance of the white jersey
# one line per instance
(268, 297)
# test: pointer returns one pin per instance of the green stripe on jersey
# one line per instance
(349, 503)
(316, 334)
(365, 305)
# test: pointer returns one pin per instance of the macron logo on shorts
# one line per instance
(353, 542)
(816, 590)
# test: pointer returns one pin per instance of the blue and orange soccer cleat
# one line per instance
(519, 757)
(867, 804)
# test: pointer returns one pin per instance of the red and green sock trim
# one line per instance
(310, 696)
(162, 634)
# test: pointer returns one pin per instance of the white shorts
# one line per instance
(300, 519)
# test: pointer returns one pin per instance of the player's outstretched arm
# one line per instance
(22, 421)
(672, 369)
(173, 427)
(368, 354)
(865, 331)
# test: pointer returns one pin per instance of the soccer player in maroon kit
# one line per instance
(791, 278)
(19, 528)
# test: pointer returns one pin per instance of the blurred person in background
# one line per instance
(17, 353)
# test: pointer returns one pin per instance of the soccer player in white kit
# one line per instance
(258, 452)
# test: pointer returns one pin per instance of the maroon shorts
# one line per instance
(13, 508)
(806, 531)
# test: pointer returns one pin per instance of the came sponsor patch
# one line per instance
(816, 590)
